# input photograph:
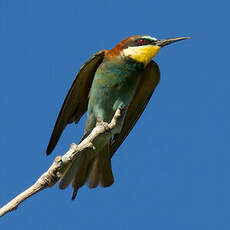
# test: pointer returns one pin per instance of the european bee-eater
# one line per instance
(123, 77)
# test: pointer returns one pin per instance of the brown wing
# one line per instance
(146, 87)
(76, 101)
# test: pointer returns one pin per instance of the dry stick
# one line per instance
(54, 173)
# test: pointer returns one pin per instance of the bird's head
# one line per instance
(141, 48)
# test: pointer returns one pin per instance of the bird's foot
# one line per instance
(122, 107)
(104, 124)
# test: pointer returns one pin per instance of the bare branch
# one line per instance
(58, 167)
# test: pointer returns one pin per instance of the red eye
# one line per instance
(141, 41)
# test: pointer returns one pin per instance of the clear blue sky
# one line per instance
(173, 170)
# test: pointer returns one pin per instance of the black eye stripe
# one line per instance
(139, 42)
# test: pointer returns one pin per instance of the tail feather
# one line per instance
(82, 172)
(101, 171)
(68, 176)
(105, 168)
(93, 175)
(96, 169)
(106, 175)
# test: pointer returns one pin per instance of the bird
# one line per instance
(122, 77)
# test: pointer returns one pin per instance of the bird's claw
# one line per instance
(122, 107)
(104, 124)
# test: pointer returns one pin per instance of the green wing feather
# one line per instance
(146, 87)
(76, 101)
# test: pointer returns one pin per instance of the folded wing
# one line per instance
(146, 87)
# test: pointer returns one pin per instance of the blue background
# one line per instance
(172, 172)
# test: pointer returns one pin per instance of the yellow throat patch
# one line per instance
(143, 54)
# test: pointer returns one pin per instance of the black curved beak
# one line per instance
(167, 41)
